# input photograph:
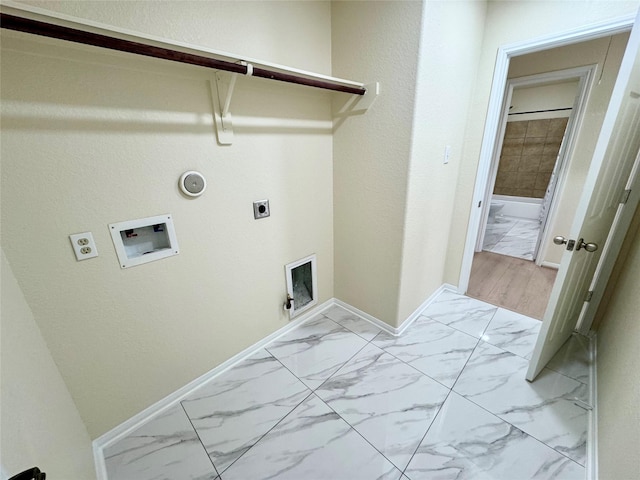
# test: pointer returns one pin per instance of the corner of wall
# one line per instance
(40, 423)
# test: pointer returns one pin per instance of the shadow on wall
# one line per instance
(258, 105)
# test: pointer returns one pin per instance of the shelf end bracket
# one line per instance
(221, 92)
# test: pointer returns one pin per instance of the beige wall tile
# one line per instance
(537, 128)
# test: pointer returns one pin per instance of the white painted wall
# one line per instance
(91, 137)
(278, 31)
(619, 371)
(509, 22)
(447, 64)
(543, 97)
(373, 41)
(41, 426)
(393, 196)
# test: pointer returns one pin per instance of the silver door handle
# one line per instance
(560, 240)
(589, 247)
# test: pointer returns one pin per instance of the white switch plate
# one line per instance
(83, 245)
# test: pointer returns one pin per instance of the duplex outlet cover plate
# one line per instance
(261, 209)
(83, 245)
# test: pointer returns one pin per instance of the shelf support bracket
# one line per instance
(358, 104)
(364, 102)
(221, 95)
(221, 92)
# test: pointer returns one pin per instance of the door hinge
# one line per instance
(624, 197)
(588, 296)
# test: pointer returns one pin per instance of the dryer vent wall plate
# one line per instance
(193, 184)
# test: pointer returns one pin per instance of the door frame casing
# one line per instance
(494, 111)
(585, 76)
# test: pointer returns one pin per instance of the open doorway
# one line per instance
(540, 148)
(538, 128)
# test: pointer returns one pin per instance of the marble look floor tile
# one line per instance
(494, 233)
(490, 241)
(545, 408)
(388, 402)
(467, 442)
(525, 227)
(513, 332)
(519, 240)
(235, 409)
(573, 359)
(515, 247)
(462, 313)
(352, 322)
(166, 447)
(432, 347)
(316, 350)
(312, 443)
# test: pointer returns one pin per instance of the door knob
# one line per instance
(589, 247)
(560, 240)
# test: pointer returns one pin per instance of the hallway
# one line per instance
(512, 283)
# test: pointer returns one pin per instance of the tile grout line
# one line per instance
(313, 391)
(498, 416)
(435, 417)
(370, 342)
(358, 432)
(413, 367)
(515, 426)
(200, 440)
(310, 390)
(465, 366)
(267, 432)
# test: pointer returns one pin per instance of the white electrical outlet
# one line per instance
(83, 245)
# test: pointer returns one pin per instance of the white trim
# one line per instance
(585, 76)
(170, 400)
(592, 432)
(396, 331)
(98, 459)
(586, 81)
(494, 110)
(414, 316)
(128, 426)
(553, 265)
(365, 316)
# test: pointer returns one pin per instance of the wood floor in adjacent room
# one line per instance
(513, 283)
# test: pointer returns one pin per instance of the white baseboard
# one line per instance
(556, 266)
(365, 316)
(592, 432)
(412, 318)
(395, 331)
(128, 426)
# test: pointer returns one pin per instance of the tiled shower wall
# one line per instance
(529, 153)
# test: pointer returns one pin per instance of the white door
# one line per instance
(608, 173)
(611, 250)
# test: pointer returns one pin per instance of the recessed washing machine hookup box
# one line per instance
(144, 240)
